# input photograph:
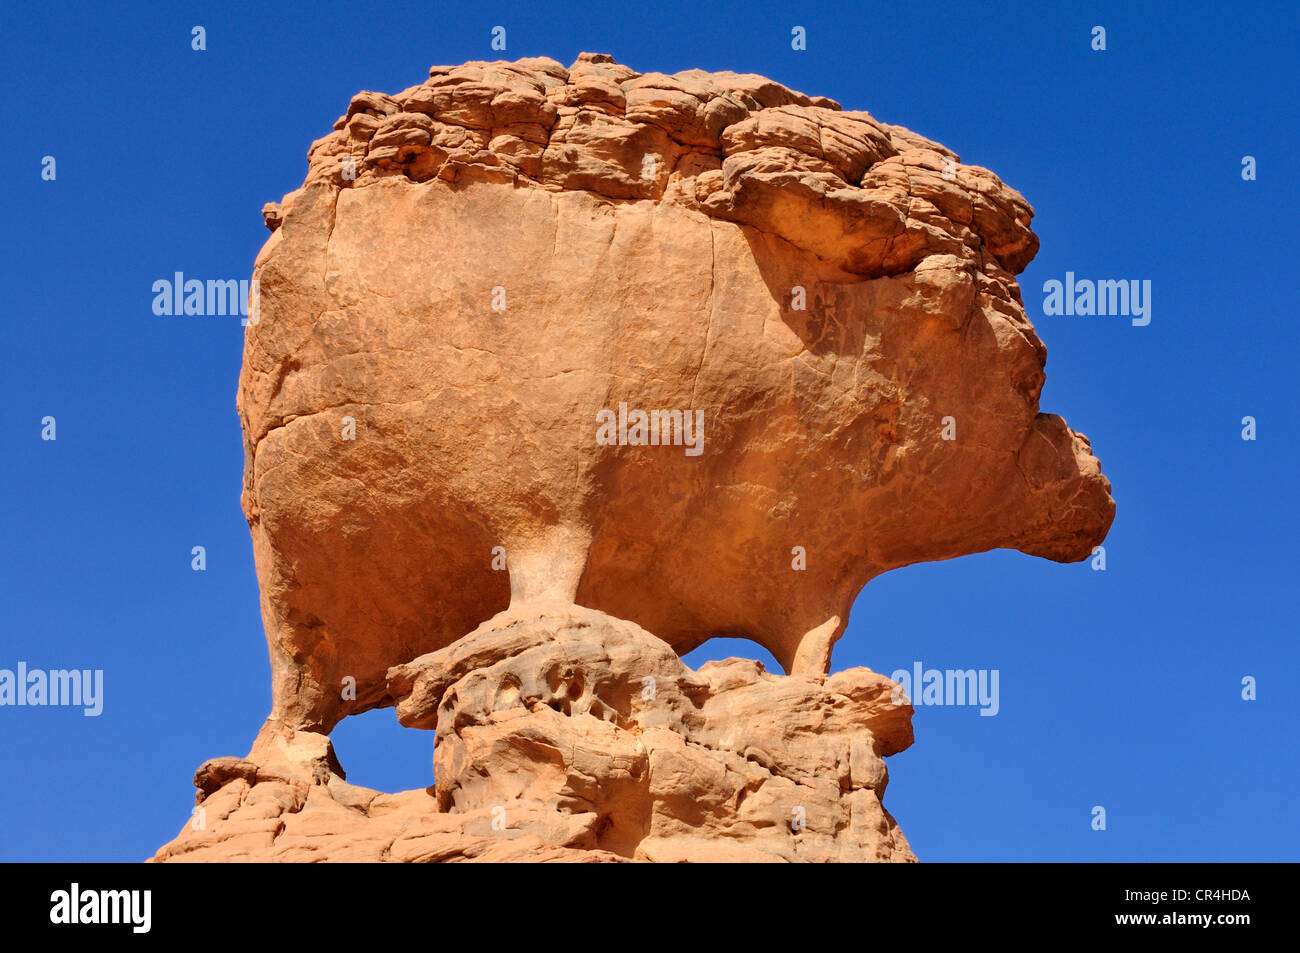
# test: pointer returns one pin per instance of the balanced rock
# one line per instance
(598, 365)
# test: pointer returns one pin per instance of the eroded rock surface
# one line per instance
(568, 734)
(477, 273)
(826, 289)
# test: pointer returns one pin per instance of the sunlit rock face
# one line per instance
(698, 354)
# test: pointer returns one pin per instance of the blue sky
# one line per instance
(1119, 688)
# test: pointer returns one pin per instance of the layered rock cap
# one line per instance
(487, 285)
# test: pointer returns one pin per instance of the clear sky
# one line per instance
(1119, 688)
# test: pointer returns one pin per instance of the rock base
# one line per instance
(565, 734)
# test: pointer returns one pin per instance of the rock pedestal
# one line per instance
(565, 734)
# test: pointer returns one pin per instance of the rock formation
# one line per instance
(557, 374)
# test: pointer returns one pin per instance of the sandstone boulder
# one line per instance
(523, 247)
(559, 373)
